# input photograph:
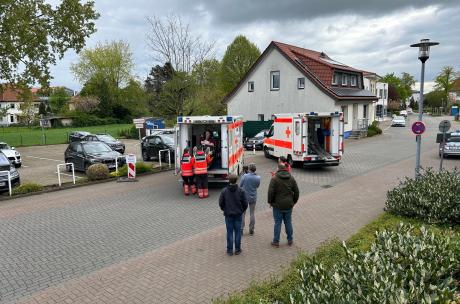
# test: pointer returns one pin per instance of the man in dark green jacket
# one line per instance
(283, 194)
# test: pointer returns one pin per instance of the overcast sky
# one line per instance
(372, 35)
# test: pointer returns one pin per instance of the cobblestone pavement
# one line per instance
(123, 243)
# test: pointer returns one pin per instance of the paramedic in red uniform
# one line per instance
(200, 169)
(186, 166)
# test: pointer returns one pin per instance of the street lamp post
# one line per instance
(423, 55)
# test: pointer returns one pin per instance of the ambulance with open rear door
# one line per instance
(306, 138)
(227, 137)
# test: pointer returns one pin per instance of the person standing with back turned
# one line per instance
(250, 182)
(233, 203)
(283, 194)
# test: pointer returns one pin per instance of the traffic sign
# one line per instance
(418, 128)
(139, 125)
(138, 121)
(444, 126)
(149, 125)
(131, 162)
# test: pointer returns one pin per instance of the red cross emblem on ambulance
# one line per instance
(288, 132)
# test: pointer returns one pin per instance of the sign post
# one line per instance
(139, 123)
(444, 126)
(131, 163)
(418, 128)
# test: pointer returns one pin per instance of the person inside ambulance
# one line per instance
(200, 169)
(207, 140)
(186, 166)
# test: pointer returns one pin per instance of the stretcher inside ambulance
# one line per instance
(219, 136)
(306, 138)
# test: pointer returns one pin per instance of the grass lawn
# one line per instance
(277, 289)
(23, 136)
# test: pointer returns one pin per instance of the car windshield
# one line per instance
(167, 140)
(260, 134)
(96, 147)
(399, 118)
(4, 147)
(106, 137)
(3, 159)
(454, 139)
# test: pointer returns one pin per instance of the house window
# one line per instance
(344, 79)
(11, 118)
(335, 78)
(365, 109)
(301, 83)
(353, 80)
(345, 114)
(260, 117)
(12, 105)
(251, 86)
(275, 80)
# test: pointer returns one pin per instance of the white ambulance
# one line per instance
(306, 138)
(226, 143)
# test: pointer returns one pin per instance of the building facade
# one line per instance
(10, 100)
(289, 79)
(373, 83)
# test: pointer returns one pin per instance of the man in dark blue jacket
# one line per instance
(233, 203)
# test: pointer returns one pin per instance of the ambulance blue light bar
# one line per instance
(313, 113)
(229, 118)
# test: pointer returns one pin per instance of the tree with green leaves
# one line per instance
(238, 58)
(3, 113)
(58, 100)
(34, 34)
(444, 83)
(27, 107)
(401, 85)
(172, 101)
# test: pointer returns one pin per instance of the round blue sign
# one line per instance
(418, 128)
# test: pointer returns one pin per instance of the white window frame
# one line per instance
(301, 85)
(335, 81)
(344, 77)
(274, 73)
(354, 80)
(345, 114)
(250, 86)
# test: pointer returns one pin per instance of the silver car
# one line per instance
(452, 146)
(398, 121)
(11, 153)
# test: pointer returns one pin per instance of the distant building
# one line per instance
(290, 79)
(373, 83)
(10, 99)
(454, 93)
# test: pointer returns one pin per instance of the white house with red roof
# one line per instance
(290, 79)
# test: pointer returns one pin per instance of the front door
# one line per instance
(355, 116)
(297, 137)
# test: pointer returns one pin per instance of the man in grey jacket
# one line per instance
(250, 182)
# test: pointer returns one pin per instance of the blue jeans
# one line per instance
(279, 216)
(233, 224)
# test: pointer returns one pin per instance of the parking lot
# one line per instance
(39, 163)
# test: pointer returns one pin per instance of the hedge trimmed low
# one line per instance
(434, 197)
(27, 188)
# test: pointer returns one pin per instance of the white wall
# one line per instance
(288, 99)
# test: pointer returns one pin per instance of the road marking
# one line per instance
(76, 176)
(44, 158)
(387, 128)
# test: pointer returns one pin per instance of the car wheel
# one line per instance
(18, 165)
(145, 156)
(267, 155)
(68, 167)
(86, 168)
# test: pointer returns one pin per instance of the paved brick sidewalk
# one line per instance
(196, 270)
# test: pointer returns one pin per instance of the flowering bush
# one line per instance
(433, 197)
(402, 266)
(98, 172)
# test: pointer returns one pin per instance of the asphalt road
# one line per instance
(48, 239)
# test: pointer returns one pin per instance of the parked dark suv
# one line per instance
(257, 141)
(152, 144)
(107, 139)
(85, 153)
(77, 135)
(6, 165)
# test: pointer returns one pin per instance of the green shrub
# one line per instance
(141, 167)
(131, 133)
(373, 129)
(434, 197)
(402, 266)
(81, 119)
(27, 188)
(98, 172)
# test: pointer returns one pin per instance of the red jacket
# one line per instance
(186, 164)
(201, 163)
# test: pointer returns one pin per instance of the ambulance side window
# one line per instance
(297, 128)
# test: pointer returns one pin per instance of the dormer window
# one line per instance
(335, 78)
(353, 80)
(344, 79)
(251, 86)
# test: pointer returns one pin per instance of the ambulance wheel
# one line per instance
(267, 155)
